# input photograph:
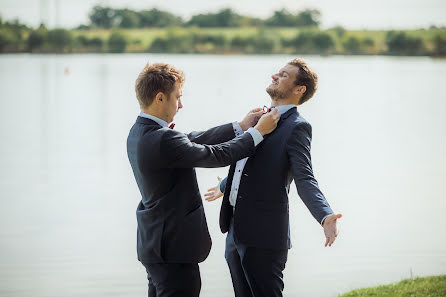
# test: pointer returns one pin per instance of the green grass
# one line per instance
(140, 39)
(432, 286)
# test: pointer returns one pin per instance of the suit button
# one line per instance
(239, 196)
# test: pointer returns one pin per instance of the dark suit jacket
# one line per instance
(261, 217)
(172, 225)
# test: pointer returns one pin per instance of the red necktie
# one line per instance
(172, 125)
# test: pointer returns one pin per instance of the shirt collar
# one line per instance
(153, 118)
(284, 108)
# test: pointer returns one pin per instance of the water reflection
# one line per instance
(68, 196)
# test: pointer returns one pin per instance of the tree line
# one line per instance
(16, 37)
(107, 17)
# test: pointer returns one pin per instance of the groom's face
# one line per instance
(283, 82)
(173, 102)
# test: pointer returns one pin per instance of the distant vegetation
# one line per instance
(224, 32)
(433, 286)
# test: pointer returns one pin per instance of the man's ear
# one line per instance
(300, 90)
(160, 97)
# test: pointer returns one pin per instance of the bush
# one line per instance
(310, 43)
(263, 44)
(60, 40)
(36, 39)
(399, 43)
(352, 45)
(440, 45)
(216, 40)
(175, 42)
(117, 43)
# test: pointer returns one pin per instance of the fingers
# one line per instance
(327, 240)
(219, 179)
(255, 110)
(211, 198)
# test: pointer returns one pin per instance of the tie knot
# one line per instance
(172, 125)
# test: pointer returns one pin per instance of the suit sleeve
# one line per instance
(222, 184)
(177, 151)
(298, 149)
(214, 135)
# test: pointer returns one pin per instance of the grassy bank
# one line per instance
(433, 286)
(248, 40)
(237, 40)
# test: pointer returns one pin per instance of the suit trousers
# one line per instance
(255, 272)
(173, 279)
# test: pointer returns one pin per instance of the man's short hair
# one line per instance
(305, 77)
(156, 78)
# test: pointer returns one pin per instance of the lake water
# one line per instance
(68, 196)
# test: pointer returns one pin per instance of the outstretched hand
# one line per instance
(214, 193)
(331, 229)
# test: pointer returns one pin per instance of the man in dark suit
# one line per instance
(172, 235)
(254, 210)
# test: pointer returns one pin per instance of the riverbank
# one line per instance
(432, 286)
(227, 41)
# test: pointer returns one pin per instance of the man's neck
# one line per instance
(153, 113)
(286, 101)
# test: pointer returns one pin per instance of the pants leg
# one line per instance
(152, 291)
(264, 271)
(175, 279)
(239, 282)
(255, 272)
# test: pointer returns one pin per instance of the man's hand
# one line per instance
(214, 193)
(251, 118)
(330, 228)
(268, 122)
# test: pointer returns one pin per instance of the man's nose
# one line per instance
(274, 76)
(180, 105)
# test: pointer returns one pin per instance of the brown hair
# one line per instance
(305, 77)
(156, 78)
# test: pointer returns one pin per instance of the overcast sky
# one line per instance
(352, 14)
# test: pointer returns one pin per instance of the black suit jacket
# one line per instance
(172, 225)
(261, 216)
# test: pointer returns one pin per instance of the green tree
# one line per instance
(399, 43)
(102, 17)
(117, 43)
(308, 18)
(158, 18)
(223, 18)
(96, 43)
(281, 18)
(310, 42)
(263, 44)
(177, 41)
(340, 31)
(37, 38)
(241, 43)
(440, 45)
(323, 42)
(352, 45)
(60, 40)
(126, 18)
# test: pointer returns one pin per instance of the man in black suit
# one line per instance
(172, 235)
(254, 210)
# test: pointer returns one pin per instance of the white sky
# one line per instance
(352, 14)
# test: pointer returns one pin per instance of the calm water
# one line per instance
(68, 196)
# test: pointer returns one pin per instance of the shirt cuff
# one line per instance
(237, 129)
(322, 221)
(255, 135)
